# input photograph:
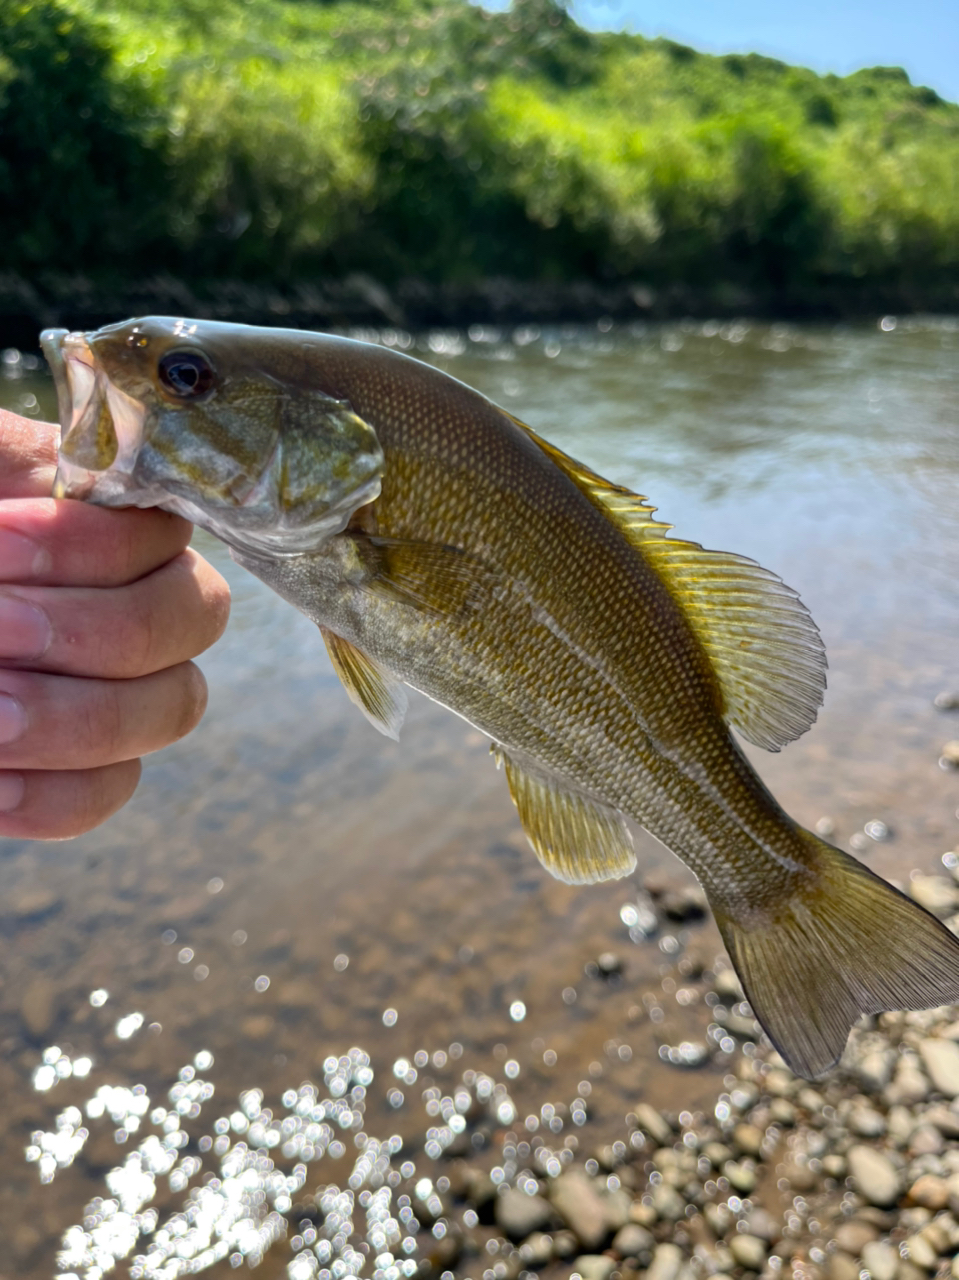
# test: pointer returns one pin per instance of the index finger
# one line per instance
(28, 456)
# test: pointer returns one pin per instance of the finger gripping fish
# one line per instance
(440, 543)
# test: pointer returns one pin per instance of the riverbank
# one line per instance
(80, 302)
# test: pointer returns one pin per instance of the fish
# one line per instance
(440, 543)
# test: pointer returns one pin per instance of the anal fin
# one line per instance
(576, 838)
(376, 691)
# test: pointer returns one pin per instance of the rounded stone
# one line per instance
(518, 1215)
(875, 1175)
(666, 1264)
(853, 1236)
(749, 1251)
(594, 1266)
(941, 1060)
(880, 1260)
(632, 1240)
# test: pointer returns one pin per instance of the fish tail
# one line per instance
(845, 944)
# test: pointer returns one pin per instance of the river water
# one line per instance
(287, 885)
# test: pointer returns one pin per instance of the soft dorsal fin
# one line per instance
(576, 839)
(764, 647)
(377, 693)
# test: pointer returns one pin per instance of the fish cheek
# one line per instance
(328, 453)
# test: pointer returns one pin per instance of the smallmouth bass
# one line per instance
(440, 543)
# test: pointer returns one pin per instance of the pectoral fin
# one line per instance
(376, 691)
(432, 577)
(577, 839)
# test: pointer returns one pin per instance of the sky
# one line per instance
(826, 35)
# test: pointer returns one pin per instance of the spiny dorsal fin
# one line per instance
(377, 693)
(575, 838)
(764, 647)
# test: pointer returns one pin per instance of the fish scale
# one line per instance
(438, 542)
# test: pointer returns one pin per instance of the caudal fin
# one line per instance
(849, 944)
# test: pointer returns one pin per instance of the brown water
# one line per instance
(385, 891)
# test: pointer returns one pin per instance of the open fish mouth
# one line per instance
(101, 428)
(270, 472)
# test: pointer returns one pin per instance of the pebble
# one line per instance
(875, 1175)
(537, 1250)
(565, 1245)
(853, 1236)
(594, 1266)
(918, 1250)
(580, 1206)
(938, 894)
(38, 1007)
(909, 1086)
(632, 1240)
(519, 1215)
(950, 753)
(748, 1138)
(668, 1203)
(941, 1060)
(880, 1260)
(842, 1267)
(740, 1176)
(764, 1225)
(749, 1251)
(649, 1119)
(34, 903)
(685, 904)
(666, 1263)
(925, 1140)
(875, 1069)
(945, 1119)
(866, 1122)
(727, 985)
(946, 701)
(930, 1192)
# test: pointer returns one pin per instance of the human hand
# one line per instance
(100, 614)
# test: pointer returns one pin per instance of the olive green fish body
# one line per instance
(439, 543)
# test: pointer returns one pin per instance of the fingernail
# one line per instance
(20, 557)
(12, 787)
(24, 629)
(13, 719)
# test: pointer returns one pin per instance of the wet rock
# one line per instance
(763, 1225)
(944, 1119)
(537, 1250)
(946, 701)
(900, 1123)
(875, 1175)
(853, 1236)
(649, 1120)
(594, 1266)
(748, 1138)
(685, 904)
(909, 1086)
(38, 1007)
(749, 1251)
(565, 1245)
(941, 1060)
(741, 1177)
(519, 1215)
(842, 1267)
(918, 1249)
(33, 903)
(880, 1260)
(950, 753)
(668, 1203)
(867, 1122)
(834, 1166)
(666, 1264)
(929, 1191)
(937, 894)
(609, 964)
(632, 1240)
(728, 986)
(581, 1207)
(926, 1140)
(875, 1069)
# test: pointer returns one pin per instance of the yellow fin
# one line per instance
(577, 839)
(845, 945)
(377, 693)
(764, 647)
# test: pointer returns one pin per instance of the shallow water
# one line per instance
(385, 891)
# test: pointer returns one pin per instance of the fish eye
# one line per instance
(187, 374)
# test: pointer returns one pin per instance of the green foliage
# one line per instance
(272, 139)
